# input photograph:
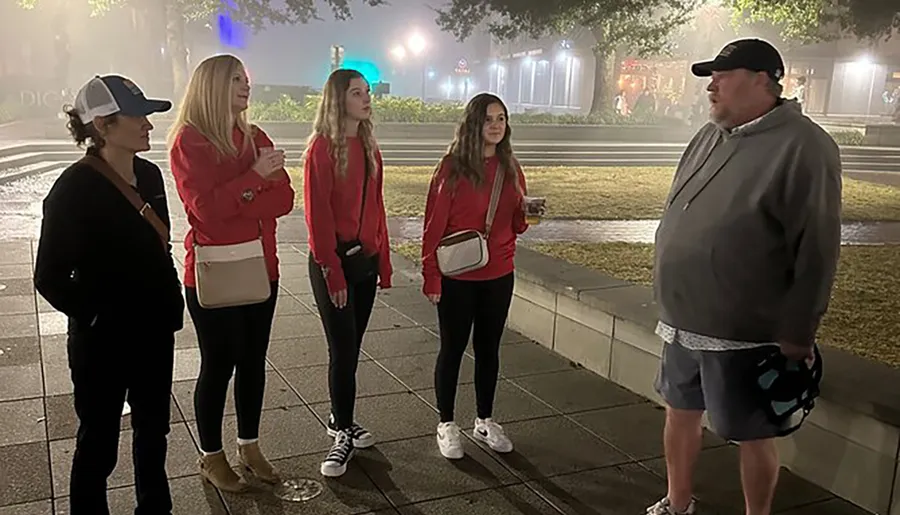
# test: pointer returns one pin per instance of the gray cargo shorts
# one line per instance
(722, 384)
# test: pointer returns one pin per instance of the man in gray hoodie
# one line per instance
(746, 254)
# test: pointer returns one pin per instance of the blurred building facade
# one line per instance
(557, 74)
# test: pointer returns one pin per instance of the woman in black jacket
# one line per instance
(105, 261)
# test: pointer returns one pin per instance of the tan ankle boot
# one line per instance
(253, 461)
(216, 470)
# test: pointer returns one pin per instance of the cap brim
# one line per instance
(158, 106)
(706, 68)
(147, 107)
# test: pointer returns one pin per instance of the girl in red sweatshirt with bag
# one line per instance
(459, 214)
(233, 185)
(349, 252)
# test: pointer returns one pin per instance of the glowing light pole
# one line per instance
(415, 45)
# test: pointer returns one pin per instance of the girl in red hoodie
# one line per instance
(233, 186)
(348, 242)
(458, 200)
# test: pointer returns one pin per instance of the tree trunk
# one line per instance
(599, 102)
(601, 53)
(177, 49)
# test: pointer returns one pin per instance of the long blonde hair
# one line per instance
(331, 123)
(206, 105)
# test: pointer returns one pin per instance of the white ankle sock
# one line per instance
(241, 441)
(211, 453)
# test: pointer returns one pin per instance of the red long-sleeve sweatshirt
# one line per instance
(214, 189)
(332, 206)
(462, 206)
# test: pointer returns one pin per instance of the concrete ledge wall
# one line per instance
(882, 135)
(607, 326)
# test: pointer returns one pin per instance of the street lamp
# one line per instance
(416, 45)
(399, 53)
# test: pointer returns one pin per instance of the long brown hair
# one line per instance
(466, 152)
(331, 123)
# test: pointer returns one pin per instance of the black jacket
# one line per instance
(100, 262)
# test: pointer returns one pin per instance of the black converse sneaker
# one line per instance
(335, 464)
(362, 439)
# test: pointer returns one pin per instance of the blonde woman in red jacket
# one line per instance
(475, 302)
(233, 186)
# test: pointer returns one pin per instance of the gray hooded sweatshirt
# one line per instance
(748, 245)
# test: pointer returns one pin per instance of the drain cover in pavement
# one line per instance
(298, 490)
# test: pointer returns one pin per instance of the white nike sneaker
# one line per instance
(448, 439)
(492, 434)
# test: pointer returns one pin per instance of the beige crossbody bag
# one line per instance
(467, 251)
(232, 275)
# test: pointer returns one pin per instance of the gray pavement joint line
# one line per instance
(40, 338)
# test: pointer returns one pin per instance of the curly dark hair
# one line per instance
(84, 132)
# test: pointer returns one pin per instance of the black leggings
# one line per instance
(233, 341)
(344, 330)
(464, 304)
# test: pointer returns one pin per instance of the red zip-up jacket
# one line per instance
(332, 205)
(215, 190)
(462, 206)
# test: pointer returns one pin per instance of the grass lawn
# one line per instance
(863, 316)
(627, 193)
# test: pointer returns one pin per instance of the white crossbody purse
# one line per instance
(467, 251)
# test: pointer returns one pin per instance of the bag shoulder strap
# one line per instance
(362, 207)
(499, 177)
(144, 209)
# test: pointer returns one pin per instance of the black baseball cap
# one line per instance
(755, 55)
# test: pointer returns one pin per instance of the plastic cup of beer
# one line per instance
(534, 209)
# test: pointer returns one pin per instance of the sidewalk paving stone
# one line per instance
(24, 473)
(575, 390)
(23, 422)
(20, 351)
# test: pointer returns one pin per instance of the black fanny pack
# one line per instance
(357, 265)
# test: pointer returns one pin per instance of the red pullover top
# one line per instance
(225, 200)
(461, 207)
(332, 205)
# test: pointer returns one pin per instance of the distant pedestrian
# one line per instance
(234, 187)
(349, 251)
(105, 261)
(746, 254)
(475, 211)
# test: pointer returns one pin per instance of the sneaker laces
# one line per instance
(451, 431)
(343, 444)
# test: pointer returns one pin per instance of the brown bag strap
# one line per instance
(144, 208)
(499, 177)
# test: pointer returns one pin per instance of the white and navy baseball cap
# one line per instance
(114, 94)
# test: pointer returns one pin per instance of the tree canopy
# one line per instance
(816, 20)
(254, 13)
